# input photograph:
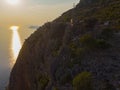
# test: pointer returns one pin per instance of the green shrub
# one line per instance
(55, 88)
(80, 51)
(75, 50)
(83, 81)
(91, 43)
(88, 41)
(43, 81)
(77, 53)
(66, 18)
(55, 53)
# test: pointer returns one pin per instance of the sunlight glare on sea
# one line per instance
(15, 44)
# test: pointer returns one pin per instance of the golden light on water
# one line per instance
(16, 43)
(14, 27)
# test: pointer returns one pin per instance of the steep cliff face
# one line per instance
(77, 50)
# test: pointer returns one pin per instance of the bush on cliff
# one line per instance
(83, 81)
(89, 42)
(43, 81)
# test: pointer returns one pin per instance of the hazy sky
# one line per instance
(25, 14)
(32, 12)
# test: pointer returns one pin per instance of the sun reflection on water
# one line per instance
(16, 43)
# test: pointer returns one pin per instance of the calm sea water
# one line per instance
(10, 43)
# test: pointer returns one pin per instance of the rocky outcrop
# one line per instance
(86, 3)
(78, 47)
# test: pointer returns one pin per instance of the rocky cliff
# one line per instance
(80, 50)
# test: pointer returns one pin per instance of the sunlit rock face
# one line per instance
(57, 52)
